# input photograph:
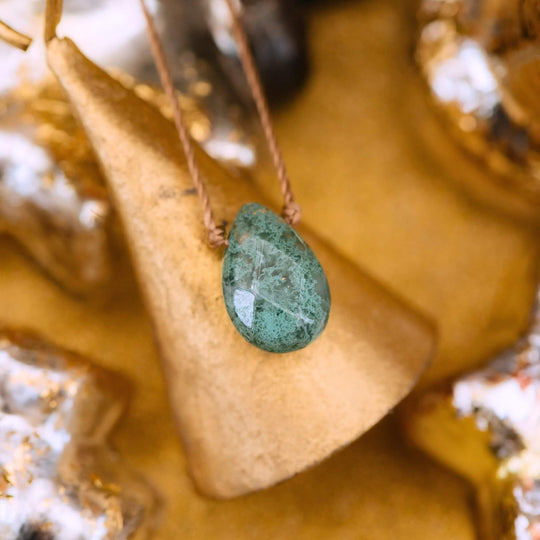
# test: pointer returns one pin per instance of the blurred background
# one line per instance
(410, 130)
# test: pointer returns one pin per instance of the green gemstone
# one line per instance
(275, 289)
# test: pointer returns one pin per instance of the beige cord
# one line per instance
(291, 210)
(216, 235)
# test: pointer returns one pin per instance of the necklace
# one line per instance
(275, 290)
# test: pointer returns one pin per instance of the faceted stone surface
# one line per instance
(275, 289)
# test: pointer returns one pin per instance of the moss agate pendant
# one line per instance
(275, 289)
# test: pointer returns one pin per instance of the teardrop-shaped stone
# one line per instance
(275, 289)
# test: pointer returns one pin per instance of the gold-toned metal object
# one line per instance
(249, 418)
(223, 125)
(11, 36)
(58, 477)
(481, 59)
(52, 197)
(486, 427)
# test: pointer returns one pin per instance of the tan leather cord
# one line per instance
(216, 234)
(291, 210)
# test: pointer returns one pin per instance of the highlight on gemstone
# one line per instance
(275, 290)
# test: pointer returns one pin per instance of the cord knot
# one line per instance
(292, 213)
(217, 237)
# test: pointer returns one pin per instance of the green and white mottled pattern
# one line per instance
(275, 289)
